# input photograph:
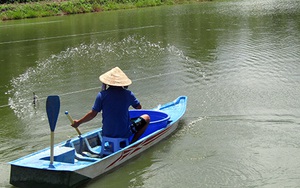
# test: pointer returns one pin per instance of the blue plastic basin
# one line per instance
(158, 120)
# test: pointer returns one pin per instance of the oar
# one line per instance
(79, 133)
(72, 121)
(52, 108)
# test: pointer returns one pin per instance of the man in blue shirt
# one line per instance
(114, 103)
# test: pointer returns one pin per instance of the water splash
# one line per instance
(77, 66)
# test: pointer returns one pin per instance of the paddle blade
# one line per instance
(52, 108)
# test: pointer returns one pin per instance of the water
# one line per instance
(237, 61)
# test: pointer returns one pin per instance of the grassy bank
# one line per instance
(57, 7)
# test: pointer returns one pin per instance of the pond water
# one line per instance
(237, 61)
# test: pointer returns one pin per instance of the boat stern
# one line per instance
(35, 178)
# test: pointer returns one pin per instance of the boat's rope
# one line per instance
(76, 35)
(97, 88)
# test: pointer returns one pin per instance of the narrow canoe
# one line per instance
(76, 161)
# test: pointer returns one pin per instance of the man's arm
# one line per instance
(138, 106)
(88, 117)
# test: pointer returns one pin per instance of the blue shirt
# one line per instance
(114, 103)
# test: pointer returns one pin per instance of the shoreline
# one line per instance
(59, 8)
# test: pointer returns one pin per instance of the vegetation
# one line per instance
(20, 9)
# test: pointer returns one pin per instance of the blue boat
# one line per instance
(81, 159)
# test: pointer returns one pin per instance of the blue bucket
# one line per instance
(158, 120)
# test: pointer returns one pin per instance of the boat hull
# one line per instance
(37, 178)
(72, 168)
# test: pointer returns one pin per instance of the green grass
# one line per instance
(56, 8)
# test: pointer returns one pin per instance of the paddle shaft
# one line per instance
(72, 121)
(52, 148)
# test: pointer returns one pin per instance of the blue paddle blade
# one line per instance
(52, 108)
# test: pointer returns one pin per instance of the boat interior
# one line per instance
(92, 146)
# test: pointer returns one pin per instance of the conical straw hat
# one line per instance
(115, 77)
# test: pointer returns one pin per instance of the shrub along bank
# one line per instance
(16, 10)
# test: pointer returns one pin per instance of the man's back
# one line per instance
(114, 103)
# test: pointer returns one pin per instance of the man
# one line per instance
(114, 103)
